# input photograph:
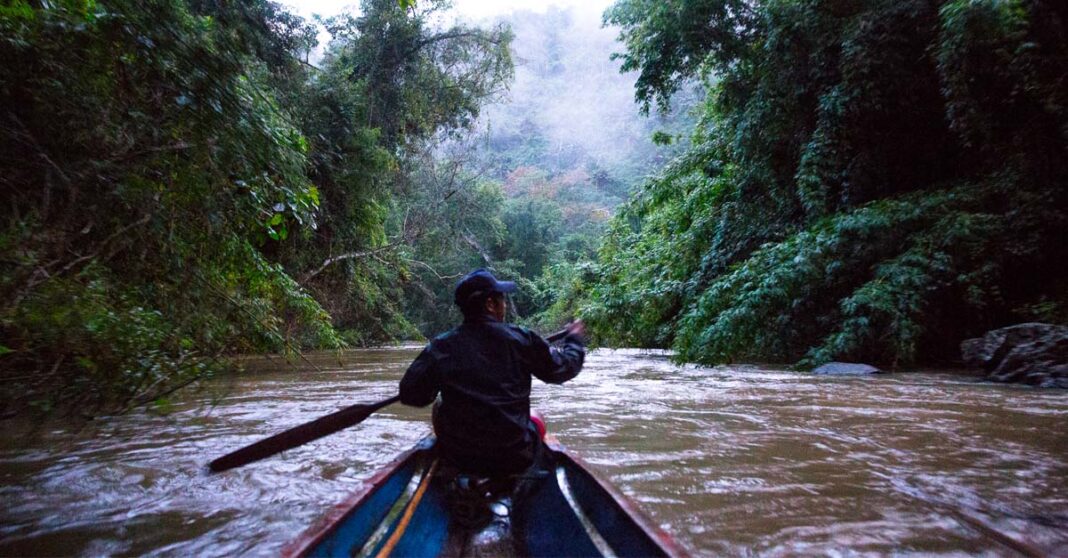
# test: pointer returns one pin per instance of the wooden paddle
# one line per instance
(304, 433)
(299, 435)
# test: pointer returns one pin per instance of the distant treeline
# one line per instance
(869, 180)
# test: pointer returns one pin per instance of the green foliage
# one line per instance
(389, 84)
(904, 256)
(662, 138)
(566, 148)
(655, 244)
(453, 223)
(871, 181)
(533, 226)
(417, 81)
(158, 162)
(668, 42)
(143, 162)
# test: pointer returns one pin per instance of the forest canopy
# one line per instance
(180, 183)
(870, 180)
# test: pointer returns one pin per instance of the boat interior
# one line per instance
(410, 513)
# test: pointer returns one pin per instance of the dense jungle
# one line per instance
(779, 181)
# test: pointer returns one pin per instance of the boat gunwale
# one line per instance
(325, 525)
(659, 536)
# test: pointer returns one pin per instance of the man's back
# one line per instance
(482, 370)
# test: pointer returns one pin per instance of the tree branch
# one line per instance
(451, 35)
(31, 141)
(41, 274)
(434, 271)
(472, 242)
(342, 257)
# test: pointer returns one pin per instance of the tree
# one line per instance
(872, 180)
(390, 85)
(144, 159)
(180, 184)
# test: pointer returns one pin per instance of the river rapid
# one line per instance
(731, 460)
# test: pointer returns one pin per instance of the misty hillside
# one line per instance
(569, 121)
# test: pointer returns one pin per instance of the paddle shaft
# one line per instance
(323, 426)
(557, 336)
(299, 435)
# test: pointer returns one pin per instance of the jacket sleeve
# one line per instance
(421, 382)
(556, 365)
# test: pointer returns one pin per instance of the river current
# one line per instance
(734, 460)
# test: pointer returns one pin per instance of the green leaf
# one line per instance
(20, 9)
(5, 350)
(162, 406)
(276, 219)
(86, 364)
(662, 138)
(43, 405)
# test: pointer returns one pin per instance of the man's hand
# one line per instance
(577, 327)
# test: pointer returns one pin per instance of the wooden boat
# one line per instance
(403, 511)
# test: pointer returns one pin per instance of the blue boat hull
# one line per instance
(403, 512)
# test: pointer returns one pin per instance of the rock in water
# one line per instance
(846, 369)
(1031, 353)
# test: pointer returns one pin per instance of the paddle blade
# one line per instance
(299, 435)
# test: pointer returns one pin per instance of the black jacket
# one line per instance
(482, 370)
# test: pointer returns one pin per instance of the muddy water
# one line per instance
(731, 460)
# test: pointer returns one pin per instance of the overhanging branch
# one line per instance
(342, 257)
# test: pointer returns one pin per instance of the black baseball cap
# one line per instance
(481, 282)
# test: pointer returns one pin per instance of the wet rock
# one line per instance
(1031, 353)
(846, 369)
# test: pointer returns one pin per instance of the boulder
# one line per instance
(845, 369)
(1031, 353)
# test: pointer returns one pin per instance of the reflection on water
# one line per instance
(732, 460)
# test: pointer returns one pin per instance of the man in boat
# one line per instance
(482, 371)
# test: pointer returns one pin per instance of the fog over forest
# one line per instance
(565, 143)
(568, 90)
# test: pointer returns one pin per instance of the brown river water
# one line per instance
(730, 460)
